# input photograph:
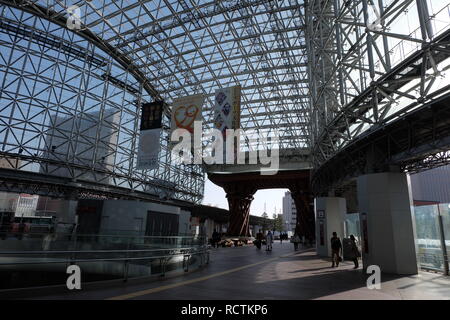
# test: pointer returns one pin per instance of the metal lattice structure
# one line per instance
(323, 74)
(371, 63)
(70, 97)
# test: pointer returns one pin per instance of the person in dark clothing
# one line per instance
(258, 240)
(215, 238)
(296, 240)
(336, 248)
(355, 254)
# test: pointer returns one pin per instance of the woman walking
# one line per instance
(296, 240)
(355, 254)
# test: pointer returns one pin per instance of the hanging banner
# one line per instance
(227, 109)
(149, 139)
(227, 115)
(151, 115)
(185, 111)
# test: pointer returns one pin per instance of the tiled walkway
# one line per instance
(248, 273)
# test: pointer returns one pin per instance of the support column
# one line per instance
(387, 222)
(239, 207)
(330, 216)
(305, 214)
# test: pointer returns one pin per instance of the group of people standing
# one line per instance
(268, 239)
(283, 236)
(352, 251)
(336, 251)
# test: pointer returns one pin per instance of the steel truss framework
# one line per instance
(371, 63)
(419, 141)
(69, 98)
(66, 188)
(69, 108)
(323, 73)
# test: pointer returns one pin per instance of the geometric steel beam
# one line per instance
(60, 20)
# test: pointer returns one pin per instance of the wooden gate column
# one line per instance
(239, 206)
(305, 214)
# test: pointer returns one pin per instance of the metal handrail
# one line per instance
(95, 251)
(100, 235)
(73, 260)
(149, 249)
(163, 259)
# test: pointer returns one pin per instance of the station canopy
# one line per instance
(195, 47)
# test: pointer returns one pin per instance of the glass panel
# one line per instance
(445, 213)
(352, 226)
(101, 257)
(428, 238)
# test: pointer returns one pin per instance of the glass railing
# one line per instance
(31, 259)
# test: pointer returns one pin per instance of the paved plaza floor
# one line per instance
(282, 274)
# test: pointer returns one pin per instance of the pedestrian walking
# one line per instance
(296, 240)
(269, 241)
(354, 252)
(336, 248)
(259, 239)
(215, 239)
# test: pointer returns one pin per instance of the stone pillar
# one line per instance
(239, 207)
(330, 216)
(387, 222)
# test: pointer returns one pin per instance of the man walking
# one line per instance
(336, 248)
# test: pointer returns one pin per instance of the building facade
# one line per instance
(95, 149)
(289, 213)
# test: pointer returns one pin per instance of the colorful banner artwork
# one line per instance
(227, 109)
(185, 111)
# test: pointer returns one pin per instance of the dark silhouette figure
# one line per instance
(336, 248)
(296, 240)
(259, 239)
(355, 254)
(215, 239)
